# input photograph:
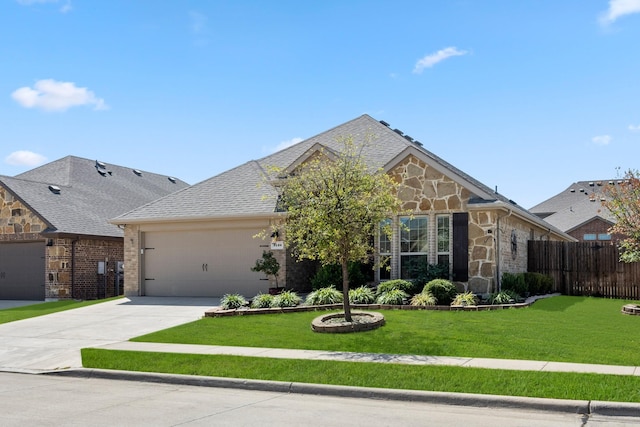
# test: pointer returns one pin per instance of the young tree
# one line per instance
(624, 204)
(335, 205)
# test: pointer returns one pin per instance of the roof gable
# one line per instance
(244, 191)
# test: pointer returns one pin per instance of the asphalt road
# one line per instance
(44, 400)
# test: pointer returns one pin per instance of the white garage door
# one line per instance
(202, 263)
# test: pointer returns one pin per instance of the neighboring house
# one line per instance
(579, 210)
(200, 240)
(55, 238)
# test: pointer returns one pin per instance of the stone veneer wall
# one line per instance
(17, 222)
(426, 191)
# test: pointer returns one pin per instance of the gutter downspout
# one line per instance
(498, 281)
(73, 267)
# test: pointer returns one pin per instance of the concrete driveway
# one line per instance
(53, 342)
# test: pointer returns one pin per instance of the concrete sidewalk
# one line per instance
(471, 362)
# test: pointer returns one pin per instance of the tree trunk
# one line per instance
(345, 291)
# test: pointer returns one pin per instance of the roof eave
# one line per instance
(181, 219)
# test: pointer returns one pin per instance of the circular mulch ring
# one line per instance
(336, 324)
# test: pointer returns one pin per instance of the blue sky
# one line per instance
(528, 96)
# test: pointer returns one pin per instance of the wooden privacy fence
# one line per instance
(585, 268)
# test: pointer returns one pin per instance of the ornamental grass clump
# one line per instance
(465, 299)
(323, 296)
(392, 297)
(504, 297)
(424, 299)
(262, 301)
(362, 295)
(286, 299)
(232, 301)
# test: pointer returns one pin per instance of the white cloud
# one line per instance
(52, 95)
(602, 139)
(617, 9)
(431, 60)
(285, 144)
(25, 158)
(634, 128)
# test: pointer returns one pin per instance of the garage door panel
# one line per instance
(22, 270)
(202, 263)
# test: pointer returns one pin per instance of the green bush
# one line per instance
(231, 301)
(422, 272)
(514, 282)
(331, 275)
(262, 301)
(322, 296)
(424, 299)
(442, 289)
(403, 285)
(465, 299)
(362, 295)
(286, 299)
(538, 283)
(392, 297)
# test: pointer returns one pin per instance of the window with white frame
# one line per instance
(414, 244)
(384, 249)
(443, 236)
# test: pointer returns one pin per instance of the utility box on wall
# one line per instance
(101, 267)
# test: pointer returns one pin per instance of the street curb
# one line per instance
(443, 398)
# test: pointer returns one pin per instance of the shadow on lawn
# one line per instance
(559, 303)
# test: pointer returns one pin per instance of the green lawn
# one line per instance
(564, 329)
(42, 308)
(409, 377)
(568, 329)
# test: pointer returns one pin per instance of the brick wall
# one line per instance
(595, 226)
(87, 283)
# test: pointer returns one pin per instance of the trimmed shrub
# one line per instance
(393, 297)
(286, 299)
(424, 299)
(262, 301)
(423, 272)
(465, 299)
(322, 296)
(231, 301)
(538, 283)
(403, 285)
(514, 282)
(362, 295)
(442, 289)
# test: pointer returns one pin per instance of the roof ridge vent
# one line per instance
(399, 132)
(54, 189)
(172, 179)
(100, 165)
(384, 123)
(101, 172)
(137, 172)
(408, 138)
(418, 143)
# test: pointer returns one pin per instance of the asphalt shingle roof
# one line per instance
(89, 196)
(241, 191)
(576, 205)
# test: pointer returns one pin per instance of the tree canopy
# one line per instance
(335, 205)
(624, 205)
